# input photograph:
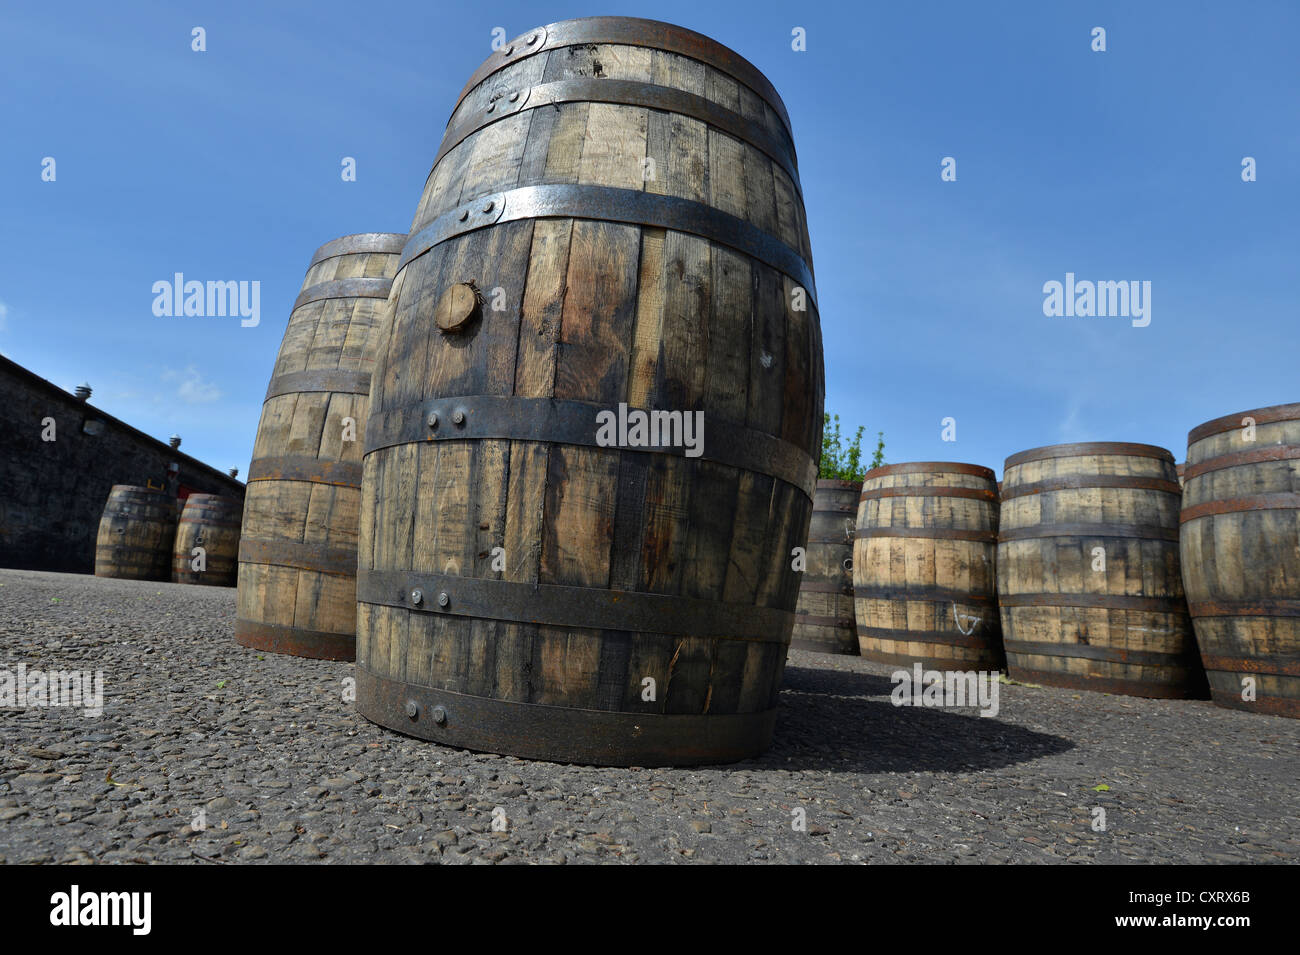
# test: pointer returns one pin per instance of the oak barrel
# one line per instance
(1088, 580)
(1241, 556)
(824, 614)
(923, 566)
(210, 522)
(297, 557)
(135, 534)
(612, 226)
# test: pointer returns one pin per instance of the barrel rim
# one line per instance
(835, 484)
(937, 467)
(1230, 422)
(389, 242)
(671, 38)
(1086, 448)
(133, 488)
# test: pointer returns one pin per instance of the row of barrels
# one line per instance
(145, 534)
(1091, 566)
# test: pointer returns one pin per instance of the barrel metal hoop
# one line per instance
(202, 521)
(1041, 531)
(810, 587)
(811, 620)
(562, 733)
(834, 484)
(1287, 664)
(1094, 684)
(630, 93)
(318, 558)
(1077, 482)
(974, 493)
(488, 417)
(933, 533)
(1233, 422)
(1172, 605)
(1085, 651)
(1274, 452)
(383, 242)
(281, 638)
(923, 595)
(311, 470)
(630, 31)
(345, 288)
(1246, 607)
(561, 605)
(1251, 502)
(1088, 449)
(930, 467)
(611, 204)
(952, 638)
(344, 381)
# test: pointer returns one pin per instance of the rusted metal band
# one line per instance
(631, 31)
(345, 381)
(1175, 605)
(561, 605)
(1233, 422)
(561, 733)
(489, 417)
(1085, 651)
(814, 587)
(834, 541)
(1251, 502)
(811, 620)
(387, 242)
(924, 595)
(951, 638)
(610, 204)
(627, 93)
(1041, 531)
(930, 467)
(1284, 664)
(833, 484)
(1273, 452)
(319, 558)
(161, 552)
(345, 288)
(973, 493)
(932, 533)
(310, 470)
(1246, 607)
(299, 642)
(203, 521)
(1085, 482)
(1156, 691)
(1089, 448)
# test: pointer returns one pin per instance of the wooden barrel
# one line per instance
(1088, 580)
(1241, 556)
(210, 522)
(923, 566)
(824, 615)
(298, 557)
(612, 227)
(135, 534)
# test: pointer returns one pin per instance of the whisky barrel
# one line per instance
(1088, 581)
(612, 226)
(210, 522)
(1241, 556)
(135, 534)
(923, 566)
(297, 556)
(823, 619)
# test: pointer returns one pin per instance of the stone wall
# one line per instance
(52, 493)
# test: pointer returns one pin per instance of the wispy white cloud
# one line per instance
(4, 314)
(191, 387)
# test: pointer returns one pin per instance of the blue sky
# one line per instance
(1122, 165)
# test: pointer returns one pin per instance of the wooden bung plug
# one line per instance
(456, 307)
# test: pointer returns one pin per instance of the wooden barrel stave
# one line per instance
(1067, 622)
(824, 620)
(210, 521)
(135, 534)
(617, 560)
(297, 566)
(1240, 556)
(923, 566)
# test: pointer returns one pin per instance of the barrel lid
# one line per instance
(631, 31)
(391, 242)
(1083, 449)
(134, 489)
(1233, 421)
(935, 467)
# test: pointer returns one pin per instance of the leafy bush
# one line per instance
(845, 464)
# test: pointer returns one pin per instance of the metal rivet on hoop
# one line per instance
(439, 715)
(417, 597)
(412, 709)
(443, 599)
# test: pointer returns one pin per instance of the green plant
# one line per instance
(839, 463)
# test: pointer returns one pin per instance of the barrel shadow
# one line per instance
(845, 721)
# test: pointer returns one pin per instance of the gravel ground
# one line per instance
(272, 758)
